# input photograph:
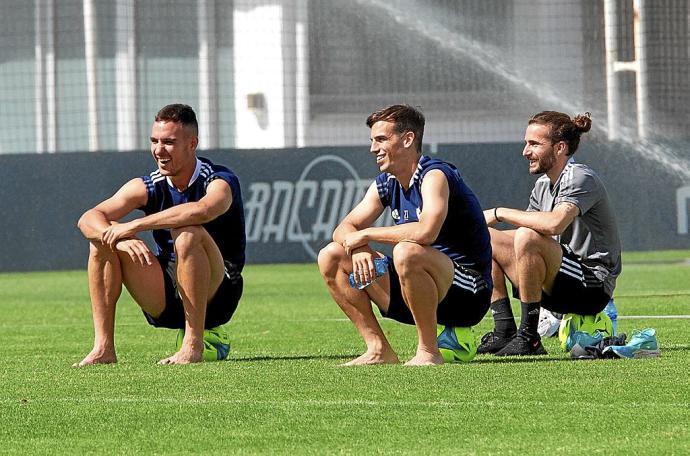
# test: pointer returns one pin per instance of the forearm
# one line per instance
(343, 230)
(412, 232)
(92, 224)
(188, 214)
(546, 223)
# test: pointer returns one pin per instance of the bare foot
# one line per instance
(425, 359)
(97, 356)
(388, 357)
(183, 357)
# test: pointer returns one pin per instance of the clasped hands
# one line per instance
(120, 236)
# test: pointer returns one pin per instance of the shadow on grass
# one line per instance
(679, 348)
(294, 358)
(478, 360)
(517, 359)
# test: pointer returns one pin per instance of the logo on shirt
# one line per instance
(395, 214)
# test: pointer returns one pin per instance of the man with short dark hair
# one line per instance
(440, 271)
(565, 254)
(193, 283)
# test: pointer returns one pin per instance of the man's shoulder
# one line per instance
(208, 165)
(427, 165)
(580, 175)
(153, 179)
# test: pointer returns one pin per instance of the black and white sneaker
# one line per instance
(491, 343)
(522, 345)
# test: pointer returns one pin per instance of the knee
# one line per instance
(407, 257)
(330, 257)
(100, 251)
(526, 241)
(187, 238)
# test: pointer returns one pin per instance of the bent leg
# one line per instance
(105, 287)
(503, 261)
(107, 271)
(335, 267)
(200, 271)
(538, 260)
(425, 277)
(502, 268)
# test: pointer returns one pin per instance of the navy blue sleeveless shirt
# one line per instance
(464, 235)
(227, 230)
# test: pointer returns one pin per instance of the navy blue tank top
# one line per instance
(464, 235)
(227, 230)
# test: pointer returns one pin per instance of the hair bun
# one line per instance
(583, 122)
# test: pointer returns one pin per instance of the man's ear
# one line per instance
(408, 138)
(561, 148)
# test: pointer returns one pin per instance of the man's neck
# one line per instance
(185, 178)
(405, 176)
(554, 173)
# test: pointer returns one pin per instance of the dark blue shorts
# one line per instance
(465, 304)
(219, 310)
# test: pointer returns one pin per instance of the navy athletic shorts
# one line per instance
(575, 290)
(219, 310)
(465, 304)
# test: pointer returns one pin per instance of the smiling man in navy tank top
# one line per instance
(440, 271)
(193, 283)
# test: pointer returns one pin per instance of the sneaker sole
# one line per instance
(638, 354)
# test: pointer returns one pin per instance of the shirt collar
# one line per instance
(197, 170)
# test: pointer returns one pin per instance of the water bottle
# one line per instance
(380, 268)
(611, 311)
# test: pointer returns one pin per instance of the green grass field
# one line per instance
(284, 393)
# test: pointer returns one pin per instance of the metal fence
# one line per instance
(79, 75)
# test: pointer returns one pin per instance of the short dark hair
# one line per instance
(563, 128)
(405, 117)
(180, 113)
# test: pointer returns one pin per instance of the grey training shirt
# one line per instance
(593, 235)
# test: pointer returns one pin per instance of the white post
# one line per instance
(91, 58)
(265, 73)
(302, 73)
(126, 75)
(208, 96)
(641, 81)
(611, 23)
(45, 78)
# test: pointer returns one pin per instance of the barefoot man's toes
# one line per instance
(181, 357)
(97, 357)
(374, 358)
(425, 359)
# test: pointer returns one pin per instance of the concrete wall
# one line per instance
(294, 198)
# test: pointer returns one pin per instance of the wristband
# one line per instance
(496, 215)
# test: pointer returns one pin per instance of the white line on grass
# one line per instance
(488, 317)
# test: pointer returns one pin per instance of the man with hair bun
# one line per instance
(565, 253)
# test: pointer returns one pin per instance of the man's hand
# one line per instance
(137, 250)
(353, 241)
(116, 232)
(363, 265)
